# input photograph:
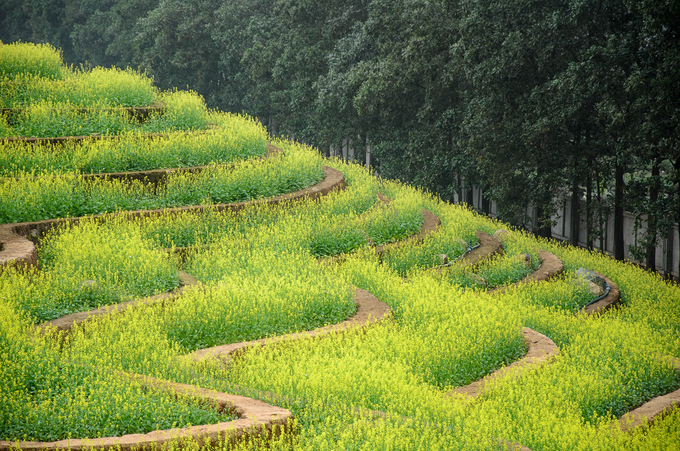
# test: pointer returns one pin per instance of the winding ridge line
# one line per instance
(370, 310)
(255, 418)
(488, 247)
(18, 249)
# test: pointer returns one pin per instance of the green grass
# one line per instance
(234, 138)
(86, 267)
(25, 58)
(185, 110)
(48, 197)
(47, 395)
(82, 88)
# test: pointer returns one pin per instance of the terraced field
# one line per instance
(208, 287)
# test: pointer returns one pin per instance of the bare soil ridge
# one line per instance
(488, 247)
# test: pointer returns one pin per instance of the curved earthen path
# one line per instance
(18, 249)
(604, 303)
(551, 266)
(488, 247)
(65, 323)
(370, 310)
(254, 418)
(540, 349)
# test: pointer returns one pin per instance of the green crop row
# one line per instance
(185, 110)
(87, 267)
(98, 87)
(32, 74)
(48, 197)
(49, 395)
(39, 60)
(233, 138)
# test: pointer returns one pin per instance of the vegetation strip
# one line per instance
(551, 266)
(65, 323)
(430, 225)
(140, 113)
(369, 310)
(652, 410)
(156, 176)
(254, 418)
(18, 249)
(65, 139)
(541, 349)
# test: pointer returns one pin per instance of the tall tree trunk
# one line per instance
(575, 212)
(459, 188)
(544, 228)
(652, 219)
(486, 203)
(619, 251)
(676, 165)
(600, 226)
(589, 205)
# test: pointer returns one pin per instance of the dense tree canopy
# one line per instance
(533, 100)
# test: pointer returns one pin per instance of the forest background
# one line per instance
(535, 101)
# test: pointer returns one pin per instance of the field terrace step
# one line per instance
(540, 350)
(17, 246)
(141, 114)
(157, 176)
(66, 323)
(431, 224)
(551, 266)
(370, 310)
(255, 418)
(487, 248)
(651, 411)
